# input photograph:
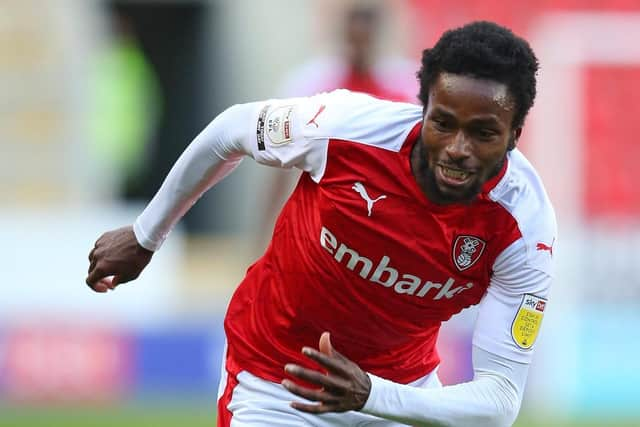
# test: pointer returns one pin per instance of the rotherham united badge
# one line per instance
(466, 251)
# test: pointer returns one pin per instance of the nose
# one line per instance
(459, 148)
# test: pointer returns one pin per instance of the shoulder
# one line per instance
(522, 194)
(357, 117)
(297, 132)
(339, 114)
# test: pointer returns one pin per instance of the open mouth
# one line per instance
(452, 176)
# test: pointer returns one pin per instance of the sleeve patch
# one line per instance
(526, 324)
(279, 125)
(260, 127)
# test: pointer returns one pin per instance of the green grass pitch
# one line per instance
(193, 416)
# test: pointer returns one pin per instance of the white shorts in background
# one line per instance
(259, 403)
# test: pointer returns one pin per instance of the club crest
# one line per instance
(466, 251)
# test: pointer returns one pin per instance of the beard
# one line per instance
(429, 183)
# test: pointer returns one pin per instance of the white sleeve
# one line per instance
(271, 132)
(511, 312)
(509, 319)
(491, 399)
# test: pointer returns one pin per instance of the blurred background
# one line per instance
(100, 97)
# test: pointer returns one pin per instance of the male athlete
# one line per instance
(403, 217)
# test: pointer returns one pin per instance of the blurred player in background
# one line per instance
(404, 216)
(359, 67)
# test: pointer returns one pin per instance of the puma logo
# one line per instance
(313, 119)
(544, 247)
(358, 187)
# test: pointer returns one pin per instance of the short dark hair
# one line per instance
(484, 50)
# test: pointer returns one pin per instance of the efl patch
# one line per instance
(467, 251)
(279, 125)
(526, 324)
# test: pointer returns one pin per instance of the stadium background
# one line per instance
(99, 98)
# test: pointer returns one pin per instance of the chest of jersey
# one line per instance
(376, 236)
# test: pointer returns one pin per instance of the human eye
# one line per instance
(485, 134)
(441, 124)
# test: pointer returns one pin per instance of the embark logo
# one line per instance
(385, 275)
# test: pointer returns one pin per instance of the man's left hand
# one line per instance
(345, 387)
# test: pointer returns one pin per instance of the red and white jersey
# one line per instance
(359, 250)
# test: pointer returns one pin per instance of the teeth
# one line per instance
(451, 173)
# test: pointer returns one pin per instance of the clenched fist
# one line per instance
(116, 258)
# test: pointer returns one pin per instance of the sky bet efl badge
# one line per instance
(526, 325)
(279, 125)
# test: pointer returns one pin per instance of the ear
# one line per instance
(514, 138)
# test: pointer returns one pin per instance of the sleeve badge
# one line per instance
(525, 326)
(278, 125)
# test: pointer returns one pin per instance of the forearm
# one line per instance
(212, 155)
(492, 399)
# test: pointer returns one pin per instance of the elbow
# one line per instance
(506, 402)
(496, 416)
(503, 409)
(511, 413)
(504, 415)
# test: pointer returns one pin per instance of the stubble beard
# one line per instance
(427, 180)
